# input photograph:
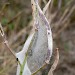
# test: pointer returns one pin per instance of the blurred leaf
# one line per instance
(66, 1)
(55, 3)
(4, 21)
(11, 26)
(66, 47)
(29, 18)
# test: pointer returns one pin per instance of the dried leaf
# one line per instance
(46, 6)
(41, 47)
(53, 67)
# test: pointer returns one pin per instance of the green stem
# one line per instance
(23, 65)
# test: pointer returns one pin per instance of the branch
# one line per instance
(3, 37)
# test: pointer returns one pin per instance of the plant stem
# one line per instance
(23, 65)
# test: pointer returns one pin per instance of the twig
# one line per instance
(63, 19)
(60, 30)
(6, 68)
(15, 17)
(69, 14)
(6, 43)
(4, 6)
(19, 34)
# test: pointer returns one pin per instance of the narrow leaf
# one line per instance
(53, 67)
(46, 7)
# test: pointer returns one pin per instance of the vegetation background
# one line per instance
(16, 19)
